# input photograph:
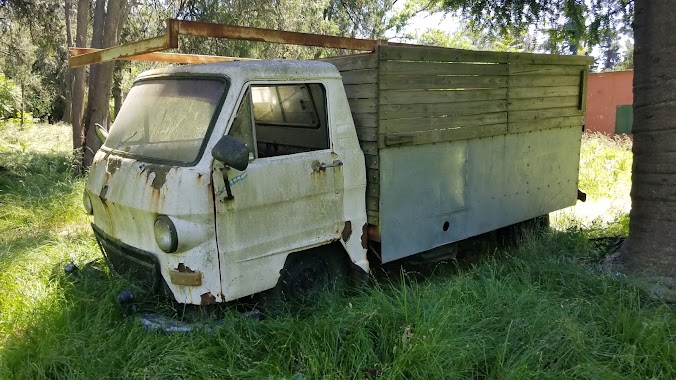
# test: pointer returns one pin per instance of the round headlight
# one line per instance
(165, 234)
(87, 203)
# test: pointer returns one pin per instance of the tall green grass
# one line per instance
(605, 175)
(540, 311)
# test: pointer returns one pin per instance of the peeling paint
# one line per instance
(364, 236)
(184, 269)
(104, 192)
(160, 176)
(207, 299)
(113, 165)
(347, 231)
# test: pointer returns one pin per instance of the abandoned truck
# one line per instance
(221, 180)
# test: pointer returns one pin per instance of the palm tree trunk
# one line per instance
(651, 247)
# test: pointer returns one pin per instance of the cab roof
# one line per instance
(255, 69)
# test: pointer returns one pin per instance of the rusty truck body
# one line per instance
(221, 180)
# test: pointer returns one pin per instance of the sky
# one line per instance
(424, 21)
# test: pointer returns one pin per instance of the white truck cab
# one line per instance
(289, 176)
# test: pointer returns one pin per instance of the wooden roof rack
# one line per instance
(148, 49)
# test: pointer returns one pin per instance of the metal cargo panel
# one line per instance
(435, 194)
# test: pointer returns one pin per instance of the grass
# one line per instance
(605, 175)
(540, 311)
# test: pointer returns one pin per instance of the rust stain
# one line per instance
(113, 165)
(184, 269)
(364, 236)
(317, 167)
(347, 231)
(373, 232)
(207, 299)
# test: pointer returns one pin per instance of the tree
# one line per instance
(650, 249)
(19, 62)
(36, 26)
(571, 26)
(476, 40)
(627, 60)
(78, 87)
(108, 20)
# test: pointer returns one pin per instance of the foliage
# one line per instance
(32, 38)
(627, 60)
(9, 94)
(571, 26)
(356, 18)
(605, 166)
(27, 118)
(542, 311)
(605, 176)
(474, 40)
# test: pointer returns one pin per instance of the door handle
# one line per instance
(317, 166)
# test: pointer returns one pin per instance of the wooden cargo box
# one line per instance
(461, 142)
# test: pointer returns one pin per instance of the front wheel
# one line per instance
(307, 274)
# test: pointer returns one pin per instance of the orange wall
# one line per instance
(606, 91)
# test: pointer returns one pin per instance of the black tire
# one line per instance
(307, 274)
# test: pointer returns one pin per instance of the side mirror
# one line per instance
(101, 132)
(232, 152)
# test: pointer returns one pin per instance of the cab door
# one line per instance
(289, 198)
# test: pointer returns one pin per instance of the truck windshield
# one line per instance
(166, 118)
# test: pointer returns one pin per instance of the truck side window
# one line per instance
(289, 118)
(241, 125)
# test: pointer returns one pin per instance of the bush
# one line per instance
(27, 118)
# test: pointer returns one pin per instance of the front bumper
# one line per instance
(141, 267)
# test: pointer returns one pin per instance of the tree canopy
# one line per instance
(570, 26)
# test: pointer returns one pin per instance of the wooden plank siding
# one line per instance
(545, 97)
(408, 95)
(430, 94)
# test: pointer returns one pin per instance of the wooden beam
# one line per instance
(205, 29)
(407, 52)
(122, 51)
(165, 57)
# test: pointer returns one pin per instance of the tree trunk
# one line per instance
(117, 88)
(78, 94)
(71, 76)
(22, 106)
(101, 76)
(651, 247)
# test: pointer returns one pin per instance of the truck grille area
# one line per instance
(141, 267)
